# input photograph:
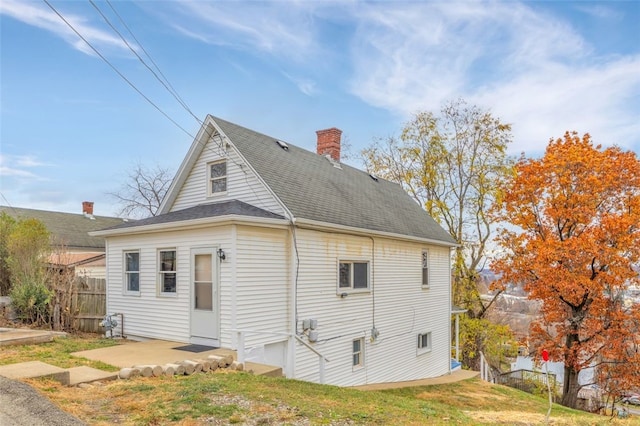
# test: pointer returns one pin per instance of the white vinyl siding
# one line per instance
(262, 283)
(402, 309)
(253, 283)
(151, 316)
(241, 183)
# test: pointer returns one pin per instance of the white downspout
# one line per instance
(293, 302)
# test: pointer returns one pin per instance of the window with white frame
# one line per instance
(217, 177)
(358, 352)
(425, 268)
(132, 271)
(424, 342)
(353, 275)
(167, 271)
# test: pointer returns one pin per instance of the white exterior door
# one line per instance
(204, 297)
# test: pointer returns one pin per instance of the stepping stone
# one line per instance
(31, 369)
(85, 374)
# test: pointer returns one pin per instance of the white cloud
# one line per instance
(41, 16)
(532, 70)
(305, 85)
(283, 29)
(595, 99)
(17, 166)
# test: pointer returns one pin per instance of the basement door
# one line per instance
(205, 319)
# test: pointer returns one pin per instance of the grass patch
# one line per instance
(58, 352)
(226, 397)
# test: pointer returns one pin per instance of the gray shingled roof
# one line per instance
(312, 188)
(69, 228)
(224, 208)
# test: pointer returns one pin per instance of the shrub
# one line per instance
(30, 300)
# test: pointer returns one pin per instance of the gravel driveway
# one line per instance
(21, 405)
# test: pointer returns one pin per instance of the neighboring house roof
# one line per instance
(225, 208)
(68, 229)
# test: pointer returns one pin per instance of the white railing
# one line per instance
(485, 369)
(290, 339)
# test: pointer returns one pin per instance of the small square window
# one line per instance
(132, 271)
(217, 175)
(167, 271)
(353, 276)
(358, 355)
(424, 342)
(425, 268)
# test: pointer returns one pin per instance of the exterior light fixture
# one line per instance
(221, 254)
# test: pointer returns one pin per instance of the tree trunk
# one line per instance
(56, 317)
(570, 387)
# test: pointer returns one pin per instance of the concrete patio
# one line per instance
(150, 352)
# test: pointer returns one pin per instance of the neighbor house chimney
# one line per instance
(87, 207)
(329, 142)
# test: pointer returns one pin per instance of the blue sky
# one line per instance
(71, 128)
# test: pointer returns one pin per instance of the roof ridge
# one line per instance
(255, 132)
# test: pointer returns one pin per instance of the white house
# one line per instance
(290, 257)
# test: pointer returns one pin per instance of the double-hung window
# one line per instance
(217, 176)
(353, 275)
(425, 268)
(167, 271)
(357, 359)
(132, 271)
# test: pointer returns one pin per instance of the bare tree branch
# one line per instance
(141, 195)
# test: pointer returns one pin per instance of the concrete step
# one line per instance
(262, 369)
(17, 336)
(86, 374)
(33, 369)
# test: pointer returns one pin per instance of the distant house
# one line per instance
(84, 253)
(290, 257)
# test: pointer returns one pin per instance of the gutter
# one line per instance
(329, 227)
(193, 224)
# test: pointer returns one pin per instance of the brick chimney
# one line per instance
(87, 207)
(329, 142)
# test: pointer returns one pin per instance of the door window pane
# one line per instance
(204, 296)
(203, 267)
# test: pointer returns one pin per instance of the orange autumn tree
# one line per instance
(573, 241)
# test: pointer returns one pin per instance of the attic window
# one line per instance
(373, 177)
(282, 144)
(217, 176)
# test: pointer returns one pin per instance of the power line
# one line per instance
(172, 92)
(209, 134)
(116, 70)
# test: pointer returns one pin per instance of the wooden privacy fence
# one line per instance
(90, 303)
